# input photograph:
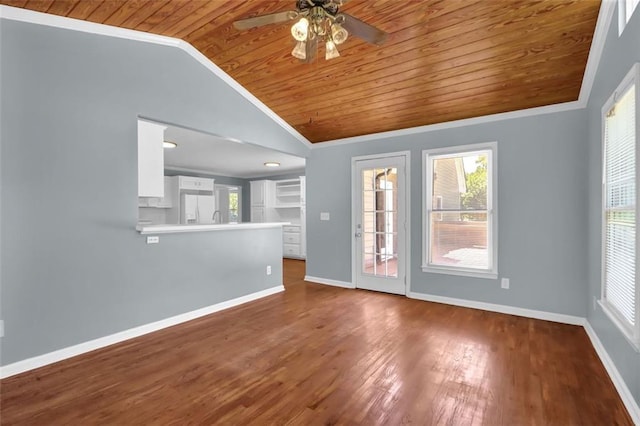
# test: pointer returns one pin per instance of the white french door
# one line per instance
(379, 223)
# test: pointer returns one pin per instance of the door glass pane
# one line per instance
(380, 222)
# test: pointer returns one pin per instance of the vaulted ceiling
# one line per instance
(444, 59)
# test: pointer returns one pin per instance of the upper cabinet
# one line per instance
(150, 159)
(261, 192)
(195, 183)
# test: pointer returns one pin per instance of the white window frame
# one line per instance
(492, 210)
(632, 334)
(624, 14)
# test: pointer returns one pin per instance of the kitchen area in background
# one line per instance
(210, 180)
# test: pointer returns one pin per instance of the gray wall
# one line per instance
(76, 269)
(618, 57)
(541, 211)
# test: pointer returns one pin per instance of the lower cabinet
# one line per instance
(291, 242)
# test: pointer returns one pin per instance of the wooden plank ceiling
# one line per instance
(444, 59)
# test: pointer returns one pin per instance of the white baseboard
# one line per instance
(101, 342)
(624, 392)
(335, 283)
(503, 309)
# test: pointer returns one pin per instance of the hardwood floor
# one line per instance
(322, 355)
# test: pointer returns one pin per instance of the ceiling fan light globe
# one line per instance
(300, 51)
(339, 34)
(330, 50)
(300, 29)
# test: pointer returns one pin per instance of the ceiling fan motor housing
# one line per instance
(329, 6)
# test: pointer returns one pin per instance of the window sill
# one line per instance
(623, 329)
(461, 272)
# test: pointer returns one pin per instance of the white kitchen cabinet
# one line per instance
(291, 250)
(282, 201)
(258, 214)
(195, 183)
(292, 241)
(261, 193)
(150, 159)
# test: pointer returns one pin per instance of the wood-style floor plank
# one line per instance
(322, 355)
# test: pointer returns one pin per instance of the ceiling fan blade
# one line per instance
(258, 21)
(312, 50)
(363, 30)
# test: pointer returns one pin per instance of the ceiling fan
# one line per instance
(319, 20)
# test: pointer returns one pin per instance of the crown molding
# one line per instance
(39, 18)
(549, 109)
(607, 8)
(603, 23)
(605, 16)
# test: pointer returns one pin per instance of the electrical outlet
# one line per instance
(1, 328)
(595, 303)
(268, 269)
(505, 283)
(153, 240)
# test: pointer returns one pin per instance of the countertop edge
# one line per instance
(175, 229)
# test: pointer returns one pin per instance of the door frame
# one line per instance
(354, 214)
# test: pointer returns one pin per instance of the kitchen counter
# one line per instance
(172, 229)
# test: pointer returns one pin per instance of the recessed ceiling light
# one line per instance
(168, 144)
(272, 164)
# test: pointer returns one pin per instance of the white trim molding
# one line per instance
(101, 342)
(597, 45)
(503, 309)
(39, 18)
(622, 388)
(605, 17)
(327, 281)
(428, 155)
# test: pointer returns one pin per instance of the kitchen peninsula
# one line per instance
(172, 229)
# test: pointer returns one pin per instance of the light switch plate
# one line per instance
(325, 216)
(153, 240)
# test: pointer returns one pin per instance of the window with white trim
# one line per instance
(619, 298)
(625, 10)
(460, 217)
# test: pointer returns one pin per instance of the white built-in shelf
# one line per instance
(288, 206)
(287, 194)
(287, 185)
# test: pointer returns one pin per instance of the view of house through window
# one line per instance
(459, 212)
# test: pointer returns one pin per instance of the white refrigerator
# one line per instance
(197, 208)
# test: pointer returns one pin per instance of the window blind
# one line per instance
(620, 207)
